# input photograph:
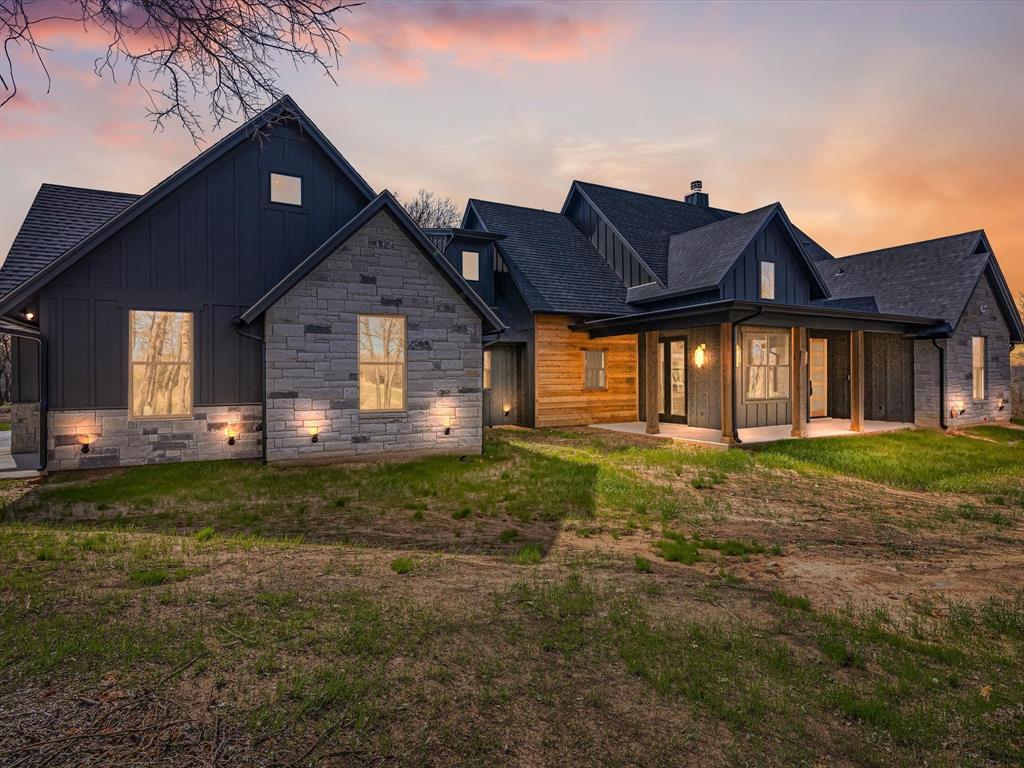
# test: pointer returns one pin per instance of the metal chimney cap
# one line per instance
(696, 185)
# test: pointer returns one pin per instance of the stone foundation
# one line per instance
(114, 440)
(24, 427)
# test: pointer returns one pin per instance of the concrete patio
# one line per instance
(713, 437)
(18, 465)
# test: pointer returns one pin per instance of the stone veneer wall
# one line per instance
(981, 317)
(117, 441)
(24, 427)
(312, 360)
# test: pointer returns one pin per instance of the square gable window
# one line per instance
(286, 190)
(471, 265)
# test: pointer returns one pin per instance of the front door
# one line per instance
(819, 378)
(672, 372)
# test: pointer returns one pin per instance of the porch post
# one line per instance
(798, 381)
(727, 371)
(857, 381)
(651, 380)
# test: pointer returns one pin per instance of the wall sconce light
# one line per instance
(314, 434)
(85, 440)
(1001, 404)
(698, 355)
(448, 425)
(232, 434)
(506, 409)
(958, 409)
(28, 314)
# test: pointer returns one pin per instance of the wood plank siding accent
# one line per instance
(727, 370)
(560, 398)
(798, 380)
(651, 381)
(857, 381)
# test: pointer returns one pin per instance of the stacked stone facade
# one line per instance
(312, 361)
(981, 317)
(115, 440)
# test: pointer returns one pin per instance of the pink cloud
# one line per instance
(392, 41)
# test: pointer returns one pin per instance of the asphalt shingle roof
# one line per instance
(554, 264)
(58, 218)
(931, 279)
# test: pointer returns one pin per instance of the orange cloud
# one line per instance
(392, 41)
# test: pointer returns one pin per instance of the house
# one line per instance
(673, 316)
(262, 300)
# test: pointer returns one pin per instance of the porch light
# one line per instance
(85, 440)
(1001, 404)
(506, 409)
(698, 355)
(28, 314)
(314, 434)
(958, 409)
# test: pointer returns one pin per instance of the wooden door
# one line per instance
(819, 378)
(672, 370)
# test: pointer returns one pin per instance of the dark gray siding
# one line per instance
(838, 371)
(24, 370)
(213, 247)
(757, 413)
(888, 377)
(703, 385)
(743, 279)
(506, 386)
(604, 238)
(484, 287)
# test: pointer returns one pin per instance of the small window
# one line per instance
(487, 369)
(978, 367)
(766, 365)
(767, 280)
(471, 265)
(160, 380)
(594, 374)
(285, 189)
(381, 363)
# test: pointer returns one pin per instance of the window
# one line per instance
(766, 356)
(381, 363)
(594, 374)
(160, 379)
(767, 280)
(471, 265)
(285, 189)
(978, 366)
(487, 369)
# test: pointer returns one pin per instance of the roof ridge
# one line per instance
(648, 194)
(513, 205)
(877, 251)
(53, 185)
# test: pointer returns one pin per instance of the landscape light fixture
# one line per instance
(448, 425)
(314, 434)
(231, 435)
(506, 409)
(85, 440)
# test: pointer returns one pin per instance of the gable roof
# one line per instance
(931, 278)
(57, 219)
(385, 201)
(554, 265)
(283, 109)
(699, 259)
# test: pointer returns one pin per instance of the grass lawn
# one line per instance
(567, 598)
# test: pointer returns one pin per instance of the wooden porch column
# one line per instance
(857, 381)
(726, 373)
(651, 380)
(798, 381)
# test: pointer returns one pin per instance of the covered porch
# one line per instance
(712, 438)
(729, 373)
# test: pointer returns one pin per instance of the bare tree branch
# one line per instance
(428, 210)
(185, 52)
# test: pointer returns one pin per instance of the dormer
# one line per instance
(472, 253)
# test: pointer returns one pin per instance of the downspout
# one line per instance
(27, 332)
(942, 382)
(263, 383)
(732, 379)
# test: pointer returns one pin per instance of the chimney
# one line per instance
(696, 197)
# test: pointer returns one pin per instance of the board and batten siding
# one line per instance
(605, 239)
(560, 398)
(743, 279)
(889, 377)
(213, 247)
(703, 385)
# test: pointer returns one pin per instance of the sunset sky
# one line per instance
(873, 124)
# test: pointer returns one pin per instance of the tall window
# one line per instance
(160, 379)
(594, 374)
(285, 189)
(766, 356)
(487, 369)
(767, 280)
(471, 265)
(381, 363)
(978, 366)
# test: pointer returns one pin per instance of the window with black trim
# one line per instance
(594, 374)
(487, 369)
(978, 367)
(767, 280)
(471, 265)
(160, 349)
(766, 365)
(285, 189)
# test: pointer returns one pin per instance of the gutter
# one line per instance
(13, 328)
(732, 379)
(263, 382)
(942, 382)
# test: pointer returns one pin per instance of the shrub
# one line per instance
(204, 534)
(402, 565)
(461, 514)
(528, 554)
(641, 564)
